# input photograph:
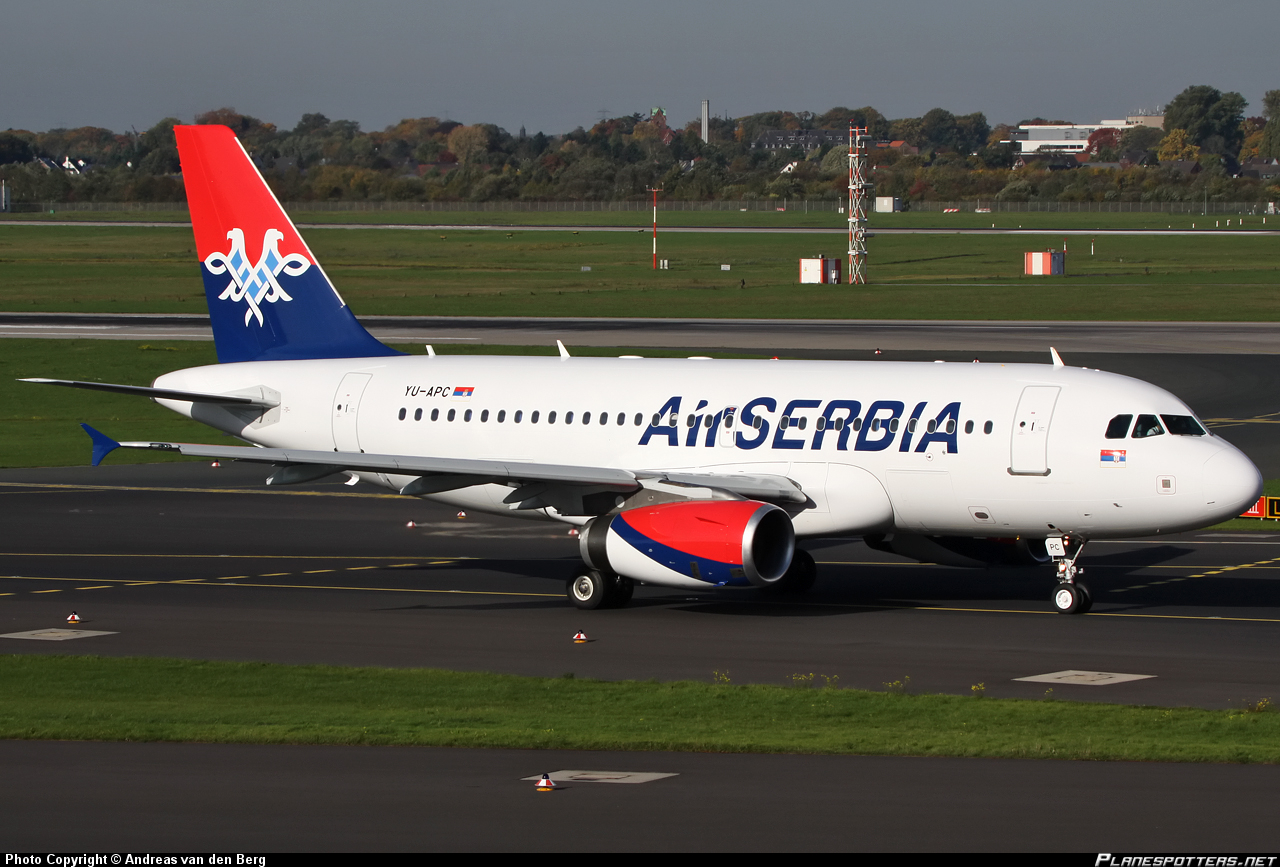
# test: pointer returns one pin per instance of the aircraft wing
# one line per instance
(165, 393)
(441, 474)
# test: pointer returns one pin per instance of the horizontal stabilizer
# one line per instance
(103, 445)
(163, 393)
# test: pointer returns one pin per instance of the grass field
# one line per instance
(796, 216)
(94, 698)
(458, 272)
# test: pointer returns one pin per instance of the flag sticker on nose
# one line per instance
(463, 392)
(1112, 457)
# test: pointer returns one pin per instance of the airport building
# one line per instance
(1073, 137)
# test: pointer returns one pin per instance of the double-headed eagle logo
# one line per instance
(255, 284)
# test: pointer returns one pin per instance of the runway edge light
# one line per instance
(545, 784)
(74, 618)
(580, 637)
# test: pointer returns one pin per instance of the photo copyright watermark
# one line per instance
(1106, 860)
(142, 859)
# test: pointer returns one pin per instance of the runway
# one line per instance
(228, 569)
(188, 560)
(743, 335)
(641, 225)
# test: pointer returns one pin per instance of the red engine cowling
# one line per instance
(694, 544)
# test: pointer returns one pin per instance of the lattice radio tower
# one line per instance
(859, 192)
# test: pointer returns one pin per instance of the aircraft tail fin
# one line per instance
(268, 297)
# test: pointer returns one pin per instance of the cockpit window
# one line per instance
(1183, 426)
(1118, 429)
(1147, 426)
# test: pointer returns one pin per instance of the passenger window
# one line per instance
(402, 413)
(551, 417)
(951, 425)
(1182, 426)
(417, 414)
(466, 416)
(1118, 428)
(857, 424)
(784, 422)
(586, 418)
(893, 425)
(911, 426)
(656, 418)
(484, 416)
(502, 416)
(931, 426)
(803, 422)
(1147, 426)
(875, 424)
(988, 427)
(640, 419)
(568, 417)
(758, 423)
(533, 417)
(435, 415)
(708, 420)
(689, 420)
(519, 416)
(728, 420)
(452, 414)
(968, 426)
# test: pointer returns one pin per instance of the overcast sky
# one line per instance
(552, 65)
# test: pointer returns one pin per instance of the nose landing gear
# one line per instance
(1070, 596)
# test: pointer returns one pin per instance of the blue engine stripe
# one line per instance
(713, 572)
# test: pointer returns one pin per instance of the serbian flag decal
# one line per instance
(1112, 457)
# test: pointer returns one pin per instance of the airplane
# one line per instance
(690, 473)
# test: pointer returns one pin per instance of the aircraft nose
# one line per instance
(1231, 482)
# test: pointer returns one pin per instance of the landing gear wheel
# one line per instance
(590, 590)
(1086, 598)
(799, 576)
(1067, 598)
(621, 591)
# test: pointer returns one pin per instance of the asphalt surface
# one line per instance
(193, 561)
(843, 337)
(202, 798)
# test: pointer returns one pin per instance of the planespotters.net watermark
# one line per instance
(1104, 860)
(132, 858)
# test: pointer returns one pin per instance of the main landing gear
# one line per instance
(593, 588)
(1070, 596)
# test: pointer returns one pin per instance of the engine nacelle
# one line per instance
(694, 544)
(961, 550)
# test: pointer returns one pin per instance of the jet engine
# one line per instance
(961, 550)
(693, 544)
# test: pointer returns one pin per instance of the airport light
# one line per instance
(655, 191)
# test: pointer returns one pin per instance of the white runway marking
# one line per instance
(1085, 678)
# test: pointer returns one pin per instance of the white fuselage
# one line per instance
(1024, 455)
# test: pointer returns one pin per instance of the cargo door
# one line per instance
(1029, 446)
(346, 411)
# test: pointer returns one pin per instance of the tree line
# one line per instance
(428, 158)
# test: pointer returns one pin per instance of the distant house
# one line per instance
(1054, 162)
(785, 139)
(1182, 167)
(1262, 169)
(900, 146)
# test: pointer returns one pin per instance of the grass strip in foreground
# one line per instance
(147, 699)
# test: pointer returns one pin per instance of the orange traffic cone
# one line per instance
(580, 637)
(545, 784)
(74, 618)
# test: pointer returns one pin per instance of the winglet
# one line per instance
(564, 353)
(103, 445)
(1057, 359)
